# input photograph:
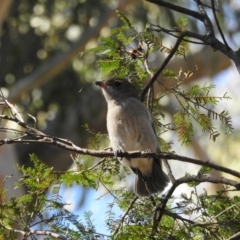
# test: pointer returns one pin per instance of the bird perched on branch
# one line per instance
(130, 128)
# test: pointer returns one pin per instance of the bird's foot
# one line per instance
(117, 152)
(148, 151)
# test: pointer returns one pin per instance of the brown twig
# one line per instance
(170, 32)
(158, 214)
(177, 8)
(235, 236)
(209, 38)
(26, 234)
(38, 137)
(164, 64)
(177, 216)
(218, 25)
(126, 213)
(169, 170)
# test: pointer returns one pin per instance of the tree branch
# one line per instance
(218, 25)
(164, 64)
(34, 136)
(26, 234)
(177, 216)
(125, 214)
(169, 170)
(177, 8)
(235, 236)
(159, 211)
(209, 38)
(177, 32)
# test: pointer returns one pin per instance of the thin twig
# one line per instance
(170, 32)
(126, 213)
(164, 64)
(177, 216)
(158, 214)
(177, 8)
(227, 209)
(218, 25)
(169, 170)
(26, 234)
(94, 166)
(206, 20)
(209, 38)
(150, 90)
(235, 236)
(41, 138)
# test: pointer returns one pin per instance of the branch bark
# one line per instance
(34, 136)
(209, 38)
(26, 234)
(159, 211)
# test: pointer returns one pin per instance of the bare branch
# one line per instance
(26, 234)
(177, 216)
(34, 136)
(235, 236)
(126, 213)
(169, 170)
(164, 64)
(209, 38)
(201, 179)
(206, 20)
(218, 25)
(22, 124)
(170, 32)
(177, 8)
(159, 212)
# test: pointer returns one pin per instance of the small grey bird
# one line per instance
(130, 128)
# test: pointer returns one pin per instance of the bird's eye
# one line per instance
(117, 84)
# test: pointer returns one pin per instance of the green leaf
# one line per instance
(167, 73)
(203, 171)
(124, 19)
(107, 66)
(184, 127)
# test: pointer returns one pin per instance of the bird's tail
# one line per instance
(156, 182)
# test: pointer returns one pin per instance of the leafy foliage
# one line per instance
(124, 54)
(37, 208)
(126, 48)
(197, 105)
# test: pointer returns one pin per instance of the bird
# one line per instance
(130, 128)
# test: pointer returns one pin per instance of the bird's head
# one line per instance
(117, 89)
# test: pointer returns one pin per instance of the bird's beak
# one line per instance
(101, 84)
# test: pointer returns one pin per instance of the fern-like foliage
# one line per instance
(197, 105)
(123, 55)
(36, 208)
(125, 50)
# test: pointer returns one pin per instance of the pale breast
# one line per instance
(130, 126)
